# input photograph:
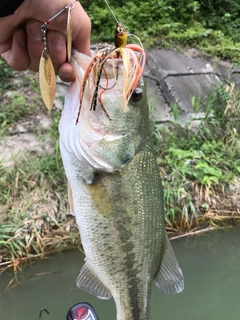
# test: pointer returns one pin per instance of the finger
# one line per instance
(34, 43)
(56, 48)
(17, 55)
(81, 28)
(5, 46)
(66, 72)
(8, 24)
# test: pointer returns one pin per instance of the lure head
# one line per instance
(120, 36)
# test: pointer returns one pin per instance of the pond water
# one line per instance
(211, 267)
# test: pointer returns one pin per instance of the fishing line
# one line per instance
(111, 11)
(69, 295)
(134, 36)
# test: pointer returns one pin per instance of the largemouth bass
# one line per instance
(116, 194)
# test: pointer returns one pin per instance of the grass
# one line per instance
(205, 25)
(200, 171)
(201, 167)
(33, 204)
(33, 198)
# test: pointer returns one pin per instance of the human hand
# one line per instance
(21, 38)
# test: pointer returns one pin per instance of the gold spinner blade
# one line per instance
(47, 80)
(69, 35)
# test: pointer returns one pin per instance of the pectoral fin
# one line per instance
(70, 199)
(100, 198)
(169, 278)
(89, 282)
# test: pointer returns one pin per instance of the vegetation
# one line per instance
(33, 199)
(210, 25)
(200, 167)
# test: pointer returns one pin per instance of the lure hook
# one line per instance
(41, 311)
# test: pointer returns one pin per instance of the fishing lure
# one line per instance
(120, 35)
(120, 42)
(120, 31)
(47, 77)
(69, 30)
(133, 57)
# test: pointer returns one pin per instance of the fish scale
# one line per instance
(116, 195)
(134, 241)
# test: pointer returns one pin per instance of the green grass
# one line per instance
(5, 73)
(33, 204)
(205, 24)
(198, 166)
(33, 197)
(19, 99)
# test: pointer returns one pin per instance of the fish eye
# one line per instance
(136, 95)
(120, 29)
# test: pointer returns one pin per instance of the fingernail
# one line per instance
(57, 41)
(36, 31)
(21, 39)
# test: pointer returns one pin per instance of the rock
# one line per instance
(173, 77)
(13, 146)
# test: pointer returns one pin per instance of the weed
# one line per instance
(5, 73)
(33, 202)
(198, 165)
(202, 24)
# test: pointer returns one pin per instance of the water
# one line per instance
(211, 267)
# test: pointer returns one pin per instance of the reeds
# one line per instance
(34, 207)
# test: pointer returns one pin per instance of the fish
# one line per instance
(115, 191)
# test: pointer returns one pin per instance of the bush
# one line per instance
(167, 22)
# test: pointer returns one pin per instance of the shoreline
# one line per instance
(66, 237)
(33, 191)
